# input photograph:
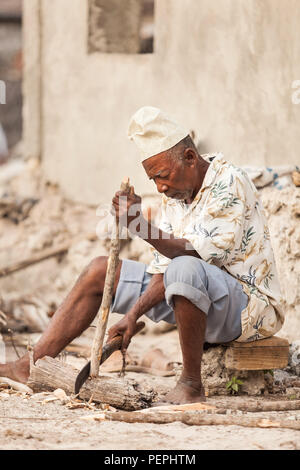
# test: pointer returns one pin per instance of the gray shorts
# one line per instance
(218, 294)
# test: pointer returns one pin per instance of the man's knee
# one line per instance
(97, 266)
(186, 269)
(94, 274)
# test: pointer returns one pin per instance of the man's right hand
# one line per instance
(127, 328)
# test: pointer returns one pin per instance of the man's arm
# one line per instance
(154, 294)
(126, 327)
(166, 243)
(128, 210)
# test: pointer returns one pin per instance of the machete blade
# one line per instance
(114, 345)
(82, 377)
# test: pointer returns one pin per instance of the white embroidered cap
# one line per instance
(153, 131)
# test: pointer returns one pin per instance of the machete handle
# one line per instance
(116, 343)
(109, 348)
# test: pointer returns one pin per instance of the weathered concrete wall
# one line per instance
(224, 69)
(32, 78)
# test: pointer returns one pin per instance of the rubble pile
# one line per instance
(282, 209)
(253, 382)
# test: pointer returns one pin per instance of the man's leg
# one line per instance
(183, 283)
(74, 315)
(191, 324)
(207, 304)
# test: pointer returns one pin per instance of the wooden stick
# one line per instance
(45, 254)
(3, 318)
(48, 374)
(144, 370)
(266, 406)
(112, 264)
(200, 419)
(10, 332)
(37, 258)
(15, 385)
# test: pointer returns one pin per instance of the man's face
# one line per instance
(173, 178)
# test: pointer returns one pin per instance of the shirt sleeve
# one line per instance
(217, 229)
(160, 262)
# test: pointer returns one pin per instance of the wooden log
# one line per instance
(200, 419)
(48, 374)
(269, 353)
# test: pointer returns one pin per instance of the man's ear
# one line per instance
(189, 156)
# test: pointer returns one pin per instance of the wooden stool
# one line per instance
(263, 354)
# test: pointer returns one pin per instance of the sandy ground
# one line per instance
(28, 423)
(25, 424)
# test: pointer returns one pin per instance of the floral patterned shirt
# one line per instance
(227, 226)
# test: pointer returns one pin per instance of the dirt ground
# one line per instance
(29, 422)
(25, 424)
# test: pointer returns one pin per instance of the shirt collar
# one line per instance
(215, 160)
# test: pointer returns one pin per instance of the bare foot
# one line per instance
(185, 391)
(18, 370)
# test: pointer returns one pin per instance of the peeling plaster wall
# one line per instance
(224, 69)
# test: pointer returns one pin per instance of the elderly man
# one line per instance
(213, 272)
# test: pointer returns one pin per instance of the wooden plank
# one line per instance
(270, 353)
(273, 341)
